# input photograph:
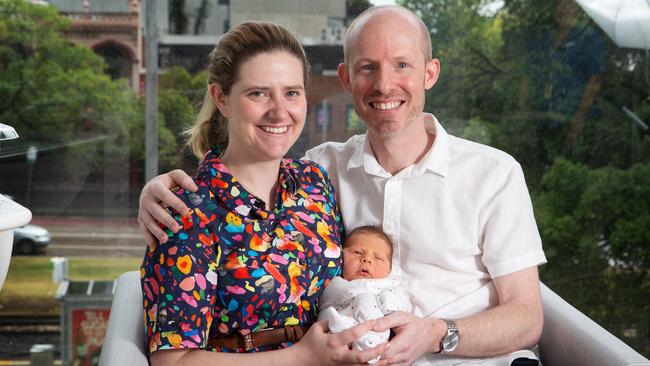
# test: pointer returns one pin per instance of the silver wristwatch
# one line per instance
(449, 341)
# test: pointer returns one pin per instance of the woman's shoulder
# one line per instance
(308, 174)
(305, 169)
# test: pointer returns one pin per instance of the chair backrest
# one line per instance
(571, 338)
(124, 342)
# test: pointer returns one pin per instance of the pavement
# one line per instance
(92, 236)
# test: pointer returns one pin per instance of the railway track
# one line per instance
(19, 333)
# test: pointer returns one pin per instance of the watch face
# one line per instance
(450, 342)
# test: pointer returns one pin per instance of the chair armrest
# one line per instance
(571, 338)
(124, 342)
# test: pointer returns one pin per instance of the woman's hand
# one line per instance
(151, 214)
(318, 347)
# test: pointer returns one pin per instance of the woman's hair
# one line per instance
(237, 46)
(371, 230)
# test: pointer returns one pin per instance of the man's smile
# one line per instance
(386, 105)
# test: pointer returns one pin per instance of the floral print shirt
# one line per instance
(237, 267)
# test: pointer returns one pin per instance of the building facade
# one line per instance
(189, 29)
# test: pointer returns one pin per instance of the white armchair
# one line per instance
(12, 215)
(124, 342)
(568, 338)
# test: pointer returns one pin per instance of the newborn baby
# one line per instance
(366, 291)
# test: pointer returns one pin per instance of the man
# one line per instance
(466, 242)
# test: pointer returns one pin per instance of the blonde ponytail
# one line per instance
(210, 129)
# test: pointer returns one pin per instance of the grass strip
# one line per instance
(29, 290)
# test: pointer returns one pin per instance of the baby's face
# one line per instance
(366, 256)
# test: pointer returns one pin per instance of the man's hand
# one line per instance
(151, 213)
(318, 347)
(414, 336)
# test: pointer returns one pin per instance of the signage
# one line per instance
(88, 329)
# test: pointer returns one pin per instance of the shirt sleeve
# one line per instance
(509, 233)
(179, 280)
(394, 298)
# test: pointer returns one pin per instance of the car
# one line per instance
(31, 239)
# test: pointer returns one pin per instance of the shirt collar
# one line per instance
(213, 172)
(363, 145)
(436, 160)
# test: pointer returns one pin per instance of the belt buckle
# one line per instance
(248, 342)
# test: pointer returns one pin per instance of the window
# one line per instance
(540, 80)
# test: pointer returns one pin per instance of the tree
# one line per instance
(178, 20)
(468, 45)
(177, 98)
(355, 7)
(593, 223)
(55, 92)
(168, 146)
(202, 13)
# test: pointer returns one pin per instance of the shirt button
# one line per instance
(389, 225)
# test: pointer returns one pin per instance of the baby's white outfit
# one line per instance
(347, 303)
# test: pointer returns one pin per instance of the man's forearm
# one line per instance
(500, 330)
(516, 323)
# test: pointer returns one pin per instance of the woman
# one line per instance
(262, 236)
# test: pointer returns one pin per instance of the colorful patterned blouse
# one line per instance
(234, 266)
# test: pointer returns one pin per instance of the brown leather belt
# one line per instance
(262, 337)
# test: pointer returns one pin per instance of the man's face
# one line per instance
(386, 73)
(366, 255)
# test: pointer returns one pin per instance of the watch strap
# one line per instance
(452, 328)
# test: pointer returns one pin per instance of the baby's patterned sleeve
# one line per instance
(394, 298)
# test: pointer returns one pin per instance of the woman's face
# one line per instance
(266, 107)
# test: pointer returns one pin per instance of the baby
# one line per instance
(365, 292)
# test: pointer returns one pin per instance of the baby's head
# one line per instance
(367, 253)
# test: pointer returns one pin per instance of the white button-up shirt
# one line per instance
(458, 218)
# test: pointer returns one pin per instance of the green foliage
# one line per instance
(54, 92)
(355, 7)
(595, 217)
(176, 110)
(202, 13)
(478, 130)
(355, 125)
(178, 19)
(193, 87)
(167, 143)
(179, 96)
(469, 48)
(593, 223)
